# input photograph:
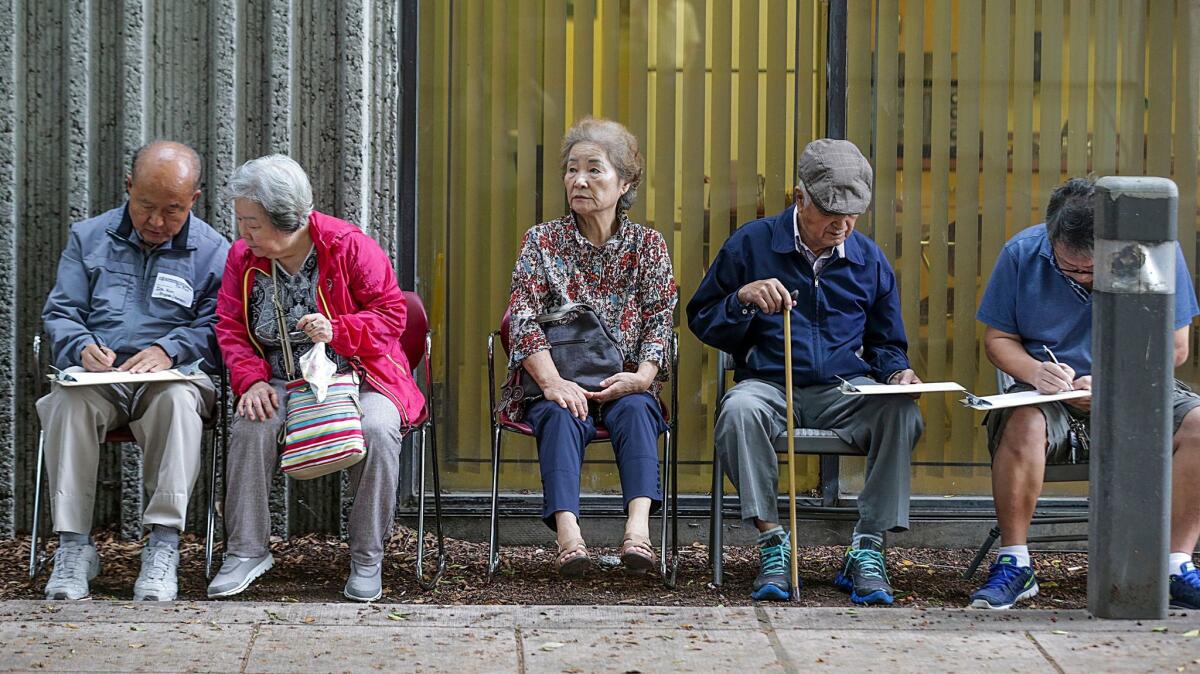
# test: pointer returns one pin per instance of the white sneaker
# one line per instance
(237, 573)
(157, 581)
(74, 565)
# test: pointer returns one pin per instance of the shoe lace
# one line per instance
(158, 562)
(1191, 578)
(870, 563)
(68, 560)
(775, 559)
(1000, 576)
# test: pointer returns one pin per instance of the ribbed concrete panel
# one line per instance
(9, 161)
(83, 83)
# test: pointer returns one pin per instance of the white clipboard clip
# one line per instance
(847, 387)
(972, 400)
(60, 375)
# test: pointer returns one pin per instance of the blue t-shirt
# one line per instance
(1030, 297)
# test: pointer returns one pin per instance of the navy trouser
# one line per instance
(634, 423)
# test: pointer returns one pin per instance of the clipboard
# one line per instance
(892, 389)
(1019, 399)
(189, 372)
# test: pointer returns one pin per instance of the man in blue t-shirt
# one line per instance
(1038, 312)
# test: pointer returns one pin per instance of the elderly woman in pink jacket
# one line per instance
(333, 285)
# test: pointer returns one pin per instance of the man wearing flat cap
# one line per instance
(846, 324)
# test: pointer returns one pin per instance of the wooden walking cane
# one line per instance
(791, 442)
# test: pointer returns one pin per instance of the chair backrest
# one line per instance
(504, 323)
(1003, 380)
(416, 326)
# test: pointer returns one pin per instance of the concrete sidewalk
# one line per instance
(257, 637)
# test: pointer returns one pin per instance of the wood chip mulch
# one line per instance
(312, 568)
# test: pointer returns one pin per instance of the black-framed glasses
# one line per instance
(1071, 271)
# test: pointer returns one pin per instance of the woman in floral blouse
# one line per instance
(596, 256)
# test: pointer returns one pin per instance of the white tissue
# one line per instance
(318, 370)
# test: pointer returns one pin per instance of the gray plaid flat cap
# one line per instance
(837, 176)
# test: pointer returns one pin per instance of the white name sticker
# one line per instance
(173, 288)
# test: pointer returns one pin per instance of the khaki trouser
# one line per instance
(166, 419)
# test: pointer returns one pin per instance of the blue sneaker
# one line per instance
(864, 575)
(1185, 587)
(774, 582)
(1006, 585)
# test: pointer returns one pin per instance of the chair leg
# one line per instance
(211, 528)
(993, 535)
(494, 528)
(430, 584)
(419, 448)
(36, 558)
(670, 512)
(716, 553)
(666, 487)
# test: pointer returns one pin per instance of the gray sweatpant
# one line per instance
(166, 419)
(254, 458)
(885, 428)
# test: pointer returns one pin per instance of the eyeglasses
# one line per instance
(1071, 271)
(1075, 272)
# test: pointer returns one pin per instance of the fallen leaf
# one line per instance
(135, 628)
(1060, 632)
(1160, 630)
(1192, 633)
(309, 619)
(398, 616)
(552, 645)
(137, 645)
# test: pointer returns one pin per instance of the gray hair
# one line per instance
(278, 184)
(618, 143)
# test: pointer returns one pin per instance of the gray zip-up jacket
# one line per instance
(110, 292)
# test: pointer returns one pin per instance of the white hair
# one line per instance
(278, 184)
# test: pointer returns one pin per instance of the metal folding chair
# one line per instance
(215, 428)
(1072, 471)
(502, 424)
(808, 441)
(417, 342)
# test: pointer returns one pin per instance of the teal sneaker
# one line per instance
(864, 575)
(1006, 585)
(774, 582)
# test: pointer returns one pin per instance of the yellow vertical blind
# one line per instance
(970, 112)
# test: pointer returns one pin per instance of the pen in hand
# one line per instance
(1054, 360)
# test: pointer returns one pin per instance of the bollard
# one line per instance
(1133, 367)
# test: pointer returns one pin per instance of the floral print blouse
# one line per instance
(628, 282)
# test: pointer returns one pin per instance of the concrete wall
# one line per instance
(85, 82)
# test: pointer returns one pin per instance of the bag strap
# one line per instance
(286, 342)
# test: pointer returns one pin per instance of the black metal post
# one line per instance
(835, 127)
(1132, 321)
(406, 224)
(406, 193)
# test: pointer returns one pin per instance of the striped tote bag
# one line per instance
(322, 437)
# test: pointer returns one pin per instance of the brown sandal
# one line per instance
(637, 554)
(576, 566)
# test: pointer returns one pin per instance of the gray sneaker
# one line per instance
(365, 582)
(237, 573)
(74, 566)
(157, 581)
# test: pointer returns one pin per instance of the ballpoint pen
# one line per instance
(1055, 361)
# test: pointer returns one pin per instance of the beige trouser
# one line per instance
(166, 419)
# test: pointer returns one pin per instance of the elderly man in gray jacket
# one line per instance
(136, 291)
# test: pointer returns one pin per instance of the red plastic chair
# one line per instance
(215, 427)
(502, 424)
(417, 344)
